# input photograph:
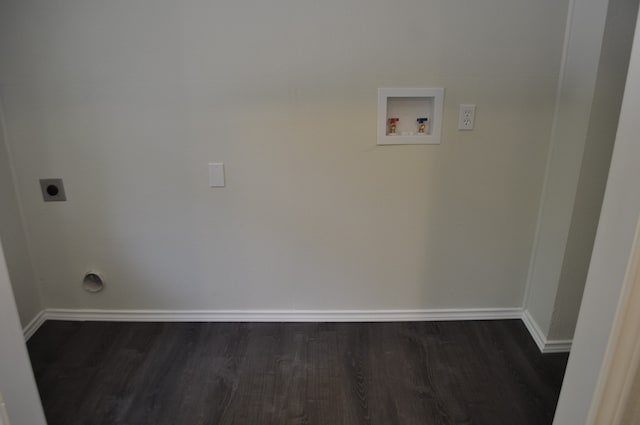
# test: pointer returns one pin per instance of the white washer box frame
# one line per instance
(435, 116)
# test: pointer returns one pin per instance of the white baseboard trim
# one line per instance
(428, 315)
(34, 325)
(558, 346)
(546, 346)
(282, 315)
(533, 328)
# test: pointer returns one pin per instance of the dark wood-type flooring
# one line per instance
(484, 372)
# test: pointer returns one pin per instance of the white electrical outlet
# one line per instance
(467, 117)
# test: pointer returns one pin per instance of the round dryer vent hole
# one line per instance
(92, 282)
(52, 190)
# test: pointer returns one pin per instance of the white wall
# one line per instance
(559, 263)
(603, 123)
(632, 413)
(129, 100)
(13, 237)
(616, 229)
(17, 385)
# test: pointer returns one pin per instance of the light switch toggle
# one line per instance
(216, 174)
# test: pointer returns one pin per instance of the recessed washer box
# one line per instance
(408, 105)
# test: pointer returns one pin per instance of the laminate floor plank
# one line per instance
(414, 373)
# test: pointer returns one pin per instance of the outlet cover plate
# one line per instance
(216, 174)
(53, 190)
(467, 117)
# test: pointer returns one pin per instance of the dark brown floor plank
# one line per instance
(415, 373)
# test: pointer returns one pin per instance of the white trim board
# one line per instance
(34, 325)
(283, 315)
(545, 345)
(269, 315)
(426, 315)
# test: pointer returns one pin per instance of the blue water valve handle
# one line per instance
(422, 120)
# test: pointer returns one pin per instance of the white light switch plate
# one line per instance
(216, 174)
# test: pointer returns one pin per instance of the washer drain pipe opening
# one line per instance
(93, 282)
